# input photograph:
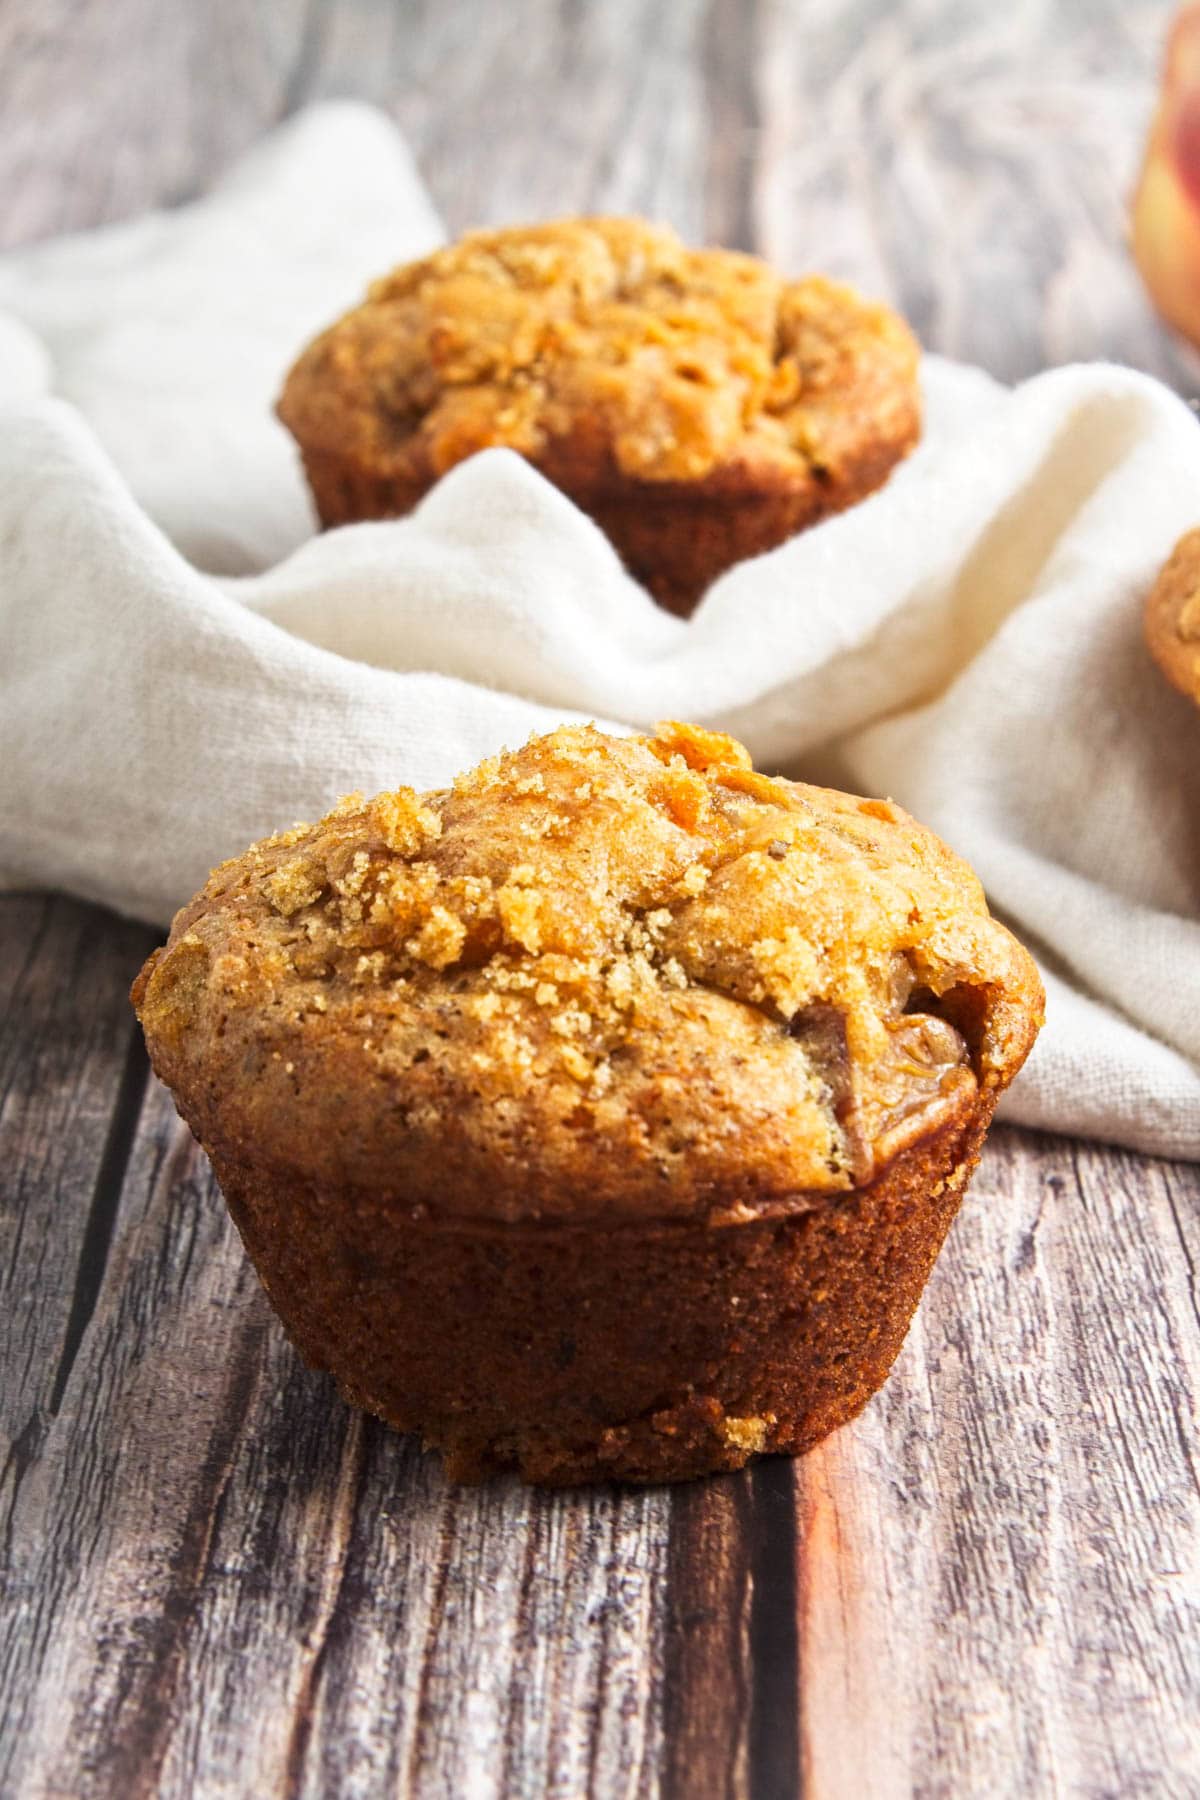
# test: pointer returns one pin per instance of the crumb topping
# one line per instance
(661, 362)
(594, 966)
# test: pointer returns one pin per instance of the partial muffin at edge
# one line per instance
(603, 1114)
(1172, 617)
(698, 406)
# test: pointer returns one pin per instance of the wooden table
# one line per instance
(220, 1581)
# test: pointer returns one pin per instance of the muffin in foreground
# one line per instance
(700, 408)
(603, 1114)
(1173, 617)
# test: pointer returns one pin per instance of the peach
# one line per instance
(1166, 206)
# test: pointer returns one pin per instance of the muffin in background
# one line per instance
(697, 406)
(1165, 214)
(1172, 616)
(603, 1114)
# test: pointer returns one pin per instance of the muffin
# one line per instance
(700, 408)
(603, 1114)
(1173, 617)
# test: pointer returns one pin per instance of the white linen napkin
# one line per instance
(967, 641)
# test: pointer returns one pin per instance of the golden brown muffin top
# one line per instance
(1173, 616)
(597, 977)
(655, 361)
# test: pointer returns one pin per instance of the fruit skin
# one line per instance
(1166, 206)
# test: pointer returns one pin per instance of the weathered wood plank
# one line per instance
(942, 158)
(72, 1073)
(1001, 1560)
(708, 1670)
(972, 163)
(516, 110)
(111, 109)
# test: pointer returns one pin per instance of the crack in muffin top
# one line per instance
(653, 360)
(599, 976)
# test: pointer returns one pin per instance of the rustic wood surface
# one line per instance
(217, 1580)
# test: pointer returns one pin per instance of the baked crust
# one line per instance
(1172, 617)
(614, 1030)
(637, 1353)
(697, 406)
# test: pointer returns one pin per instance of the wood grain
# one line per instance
(974, 164)
(223, 1580)
(969, 162)
(216, 1579)
(1013, 1528)
(72, 1072)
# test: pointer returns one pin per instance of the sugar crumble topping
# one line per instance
(642, 940)
(679, 359)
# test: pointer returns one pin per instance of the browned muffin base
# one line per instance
(1173, 617)
(675, 537)
(637, 1354)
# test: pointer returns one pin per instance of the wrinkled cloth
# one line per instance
(185, 666)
